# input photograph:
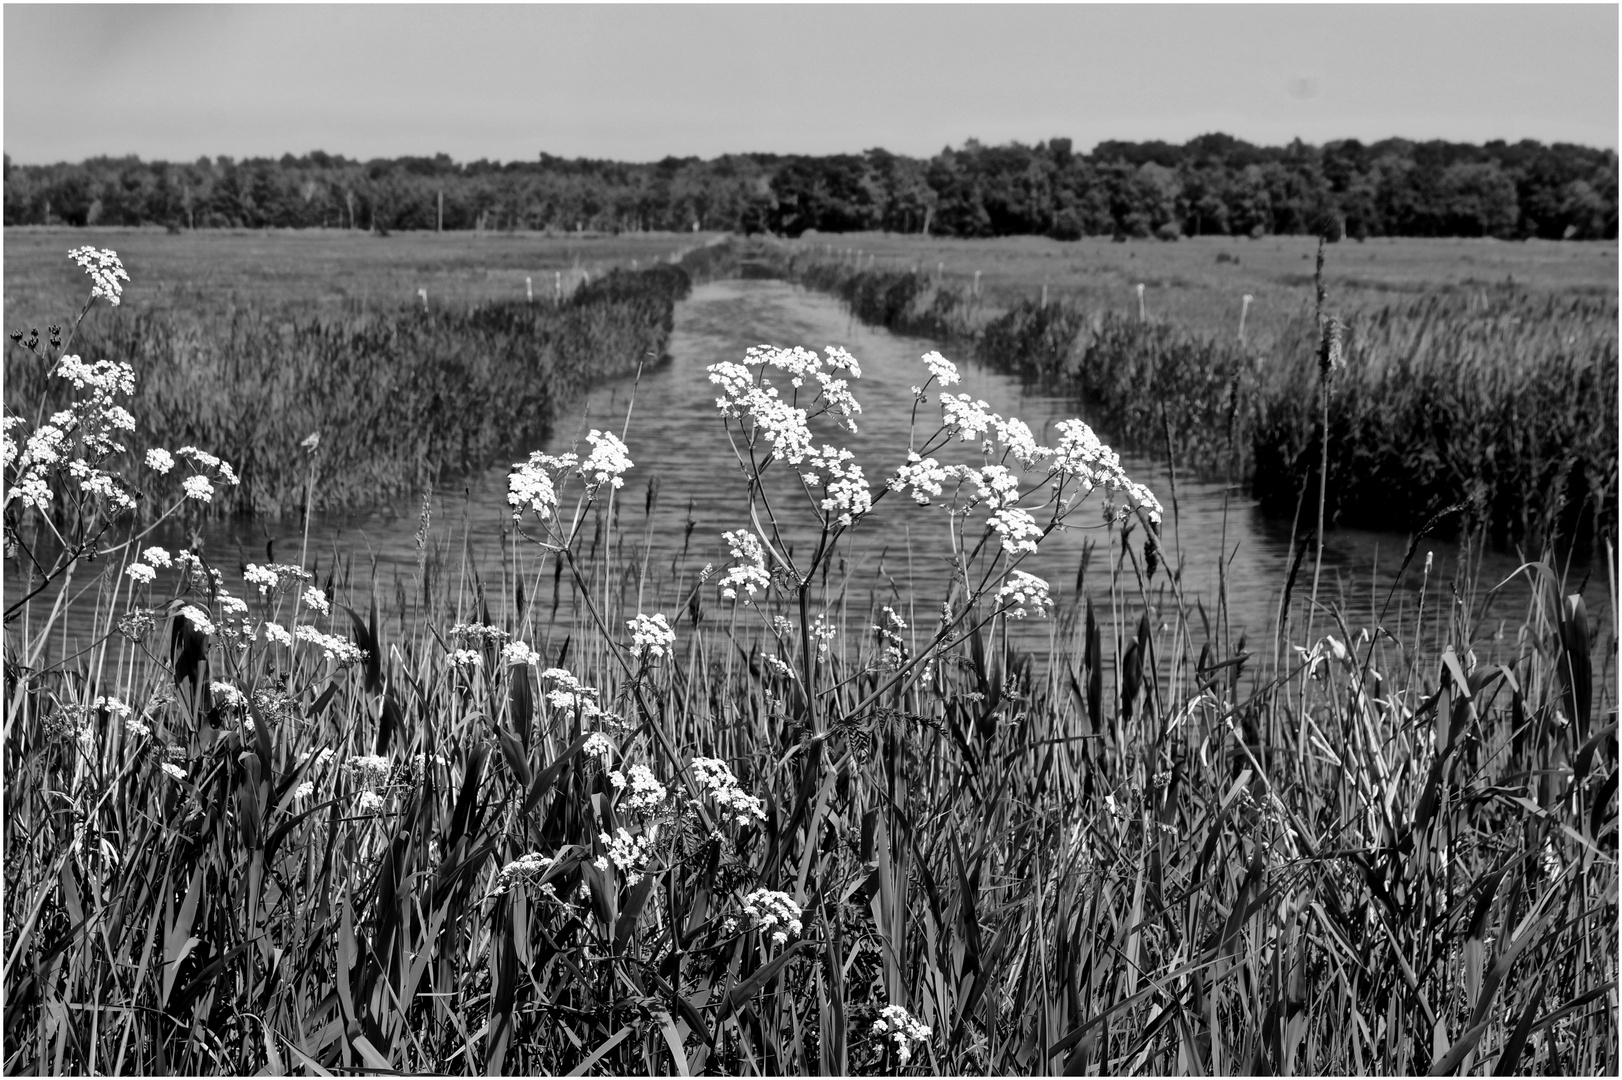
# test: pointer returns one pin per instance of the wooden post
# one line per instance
(440, 224)
(977, 283)
(1142, 317)
(1243, 310)
(529, 290)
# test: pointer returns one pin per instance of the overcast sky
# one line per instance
(638, 82)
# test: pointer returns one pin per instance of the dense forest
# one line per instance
(1214, 184)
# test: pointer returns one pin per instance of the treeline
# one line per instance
(1214, 184)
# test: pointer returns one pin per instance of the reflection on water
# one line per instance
(1214, 534)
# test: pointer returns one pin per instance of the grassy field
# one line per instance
(1198, 283)
(319, 270)
(602, 817)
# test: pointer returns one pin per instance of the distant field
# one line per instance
(1199, 283)
(326, 267)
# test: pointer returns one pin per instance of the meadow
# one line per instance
(1197, 283)
(598, 816)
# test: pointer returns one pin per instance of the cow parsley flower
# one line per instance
(608, 461)
(316, 600)
(198, 487)
(598, 745)
(370, 771)
(1018, 530)
(647, 794)
(629, 853)
(897, 1025)
(651, 637)
(1081, 456)
(141, 573)
(1016, 436)
(278, 634)
(924, 475)
(522, 871)
(848, 497)
(159, 461)
(335, 648)
(531, 484)
(519, 653)
(568, 693)
(751, 573)
(774, 913)
(479, 634)
(969, 420)
(942, 370)
(717, 781)
(1024, 594)
(198, 618)
(105, 270)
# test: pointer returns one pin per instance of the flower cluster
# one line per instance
(629, 853)
(1017, 528)
(145, 572)
(371, 771)
(647, 794)
(1081, 456)
(345, 653)
(105, 270)
(651, 637)
(893, 646)
(896, 1024)
(275, 577)
(822, 633)
(198, 618)
(968, 419)
(718, 782)
(463, 660)
(750, 573)
(518, 653)
(924, 475)
(479, 634)
(1024, 594)
(942, 370)
(532, 484)
(522, 871)
(598, 745)
(774, 913)
(569, 693)
(608, 461)
(836, 472)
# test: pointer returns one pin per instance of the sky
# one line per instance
(639, 82)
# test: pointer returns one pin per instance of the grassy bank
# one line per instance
(524, 829)
(399, 396)
(1497, 400)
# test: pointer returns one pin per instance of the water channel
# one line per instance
(1213, 534)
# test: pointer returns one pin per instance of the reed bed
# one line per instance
(1495, 404)
(606, 817)
(398, 399)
